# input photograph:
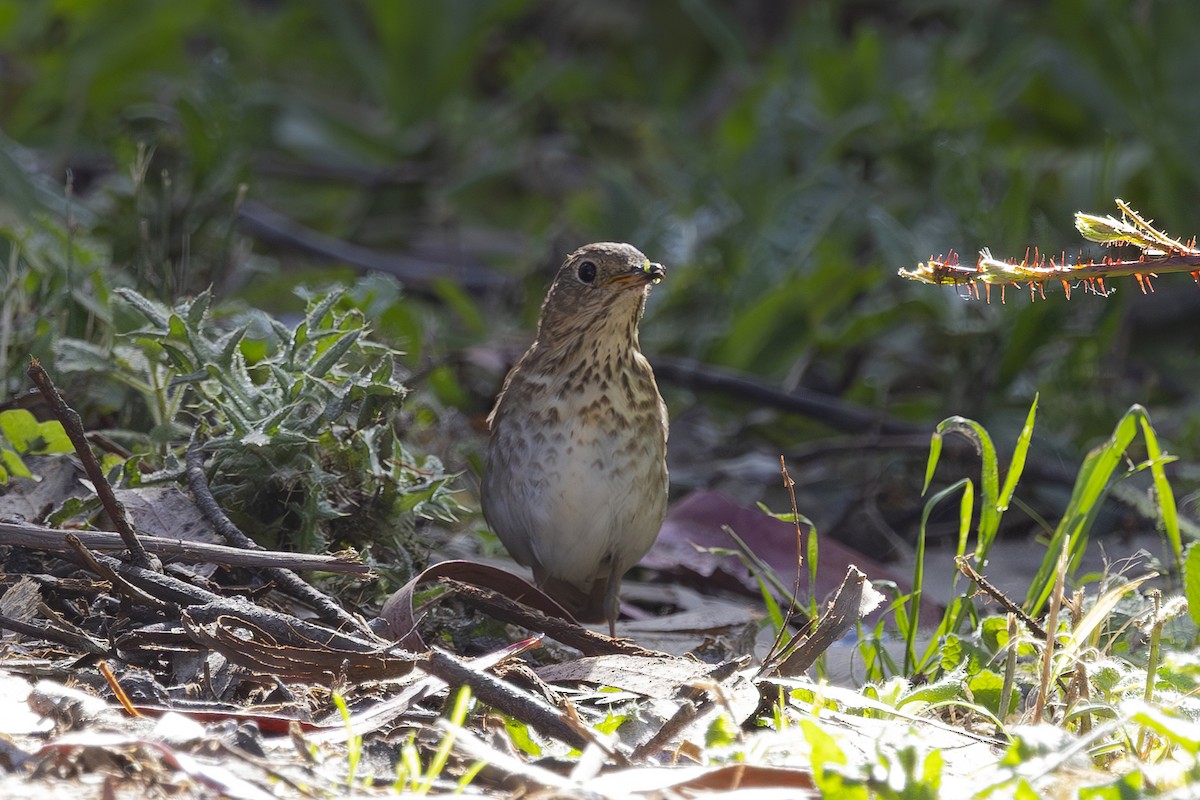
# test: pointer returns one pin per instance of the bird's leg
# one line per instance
(612, 594)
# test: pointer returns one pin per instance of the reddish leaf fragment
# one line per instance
(697, 523)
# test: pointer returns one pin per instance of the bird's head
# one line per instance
(600, 287)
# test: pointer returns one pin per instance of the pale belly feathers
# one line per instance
(588, 485)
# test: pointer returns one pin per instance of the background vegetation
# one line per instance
(783, 160)
(181, 184)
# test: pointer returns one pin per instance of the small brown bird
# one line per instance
(576, 475)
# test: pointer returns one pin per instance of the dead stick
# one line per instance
(831, 411)
(273, 643)
(510, 700)
(208, 505)
(694, 700)
(852, 602)
(74, 428)
(118, 691)
(685, 715)
(118, 583)
(36, 537)
(325, 606)
(571, 634)
(419, 274)
(160, 585)
(53, 633)
(964, 566)
(204, 608)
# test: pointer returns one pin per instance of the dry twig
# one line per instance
(288, 581)
(74, 428)
(52, 540)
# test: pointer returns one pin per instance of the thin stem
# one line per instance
(74, 428)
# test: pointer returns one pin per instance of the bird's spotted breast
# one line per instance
(575, 482)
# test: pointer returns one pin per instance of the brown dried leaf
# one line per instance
(167, 512)
(31, 499)
(652, 677)
(697, 521)
(684, 781)
(400, 616)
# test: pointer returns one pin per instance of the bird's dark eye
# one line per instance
(587, 272)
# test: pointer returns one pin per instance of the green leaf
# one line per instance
(462, 304)
(951, 652)
(334, 353)
(155, 313)
(444, 382)
(908, 623)
(826, 756)
(1107, 229)
(52, 438)
(1183, 732)
(989, 485)
(231, 343)
(1166, 498)
(177, 329)
(1131, 784)
(1026, 792)
(19, 427)
(15, 466)
(196, 311)
(27, 435)
(931, 772)
(1018, 460)
(774, 613)
(76, 355)
(721, 732)
(935, 452)
(1091, 486)
(313, 318)
(181, 360)
(518, 734)
(986, 687)
(1191, 581)
(948, 687)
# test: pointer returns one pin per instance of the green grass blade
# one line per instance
(959, 608)
(812, 554)
(1191, 581)
(1091, 484)
(935, 452)
(457, 719)
(1162, 487)
(1018, 458)
(989, 485)
(907, 623)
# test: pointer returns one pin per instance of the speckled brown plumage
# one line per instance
(575, 483)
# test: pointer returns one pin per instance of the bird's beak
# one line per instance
(649, 272)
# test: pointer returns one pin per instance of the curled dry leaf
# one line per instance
(400, 616)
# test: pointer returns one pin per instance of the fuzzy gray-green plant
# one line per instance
(297, 421)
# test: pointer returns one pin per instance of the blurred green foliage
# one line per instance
(21, 434)
(783, 159)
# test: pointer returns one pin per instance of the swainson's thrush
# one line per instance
(576, 475)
